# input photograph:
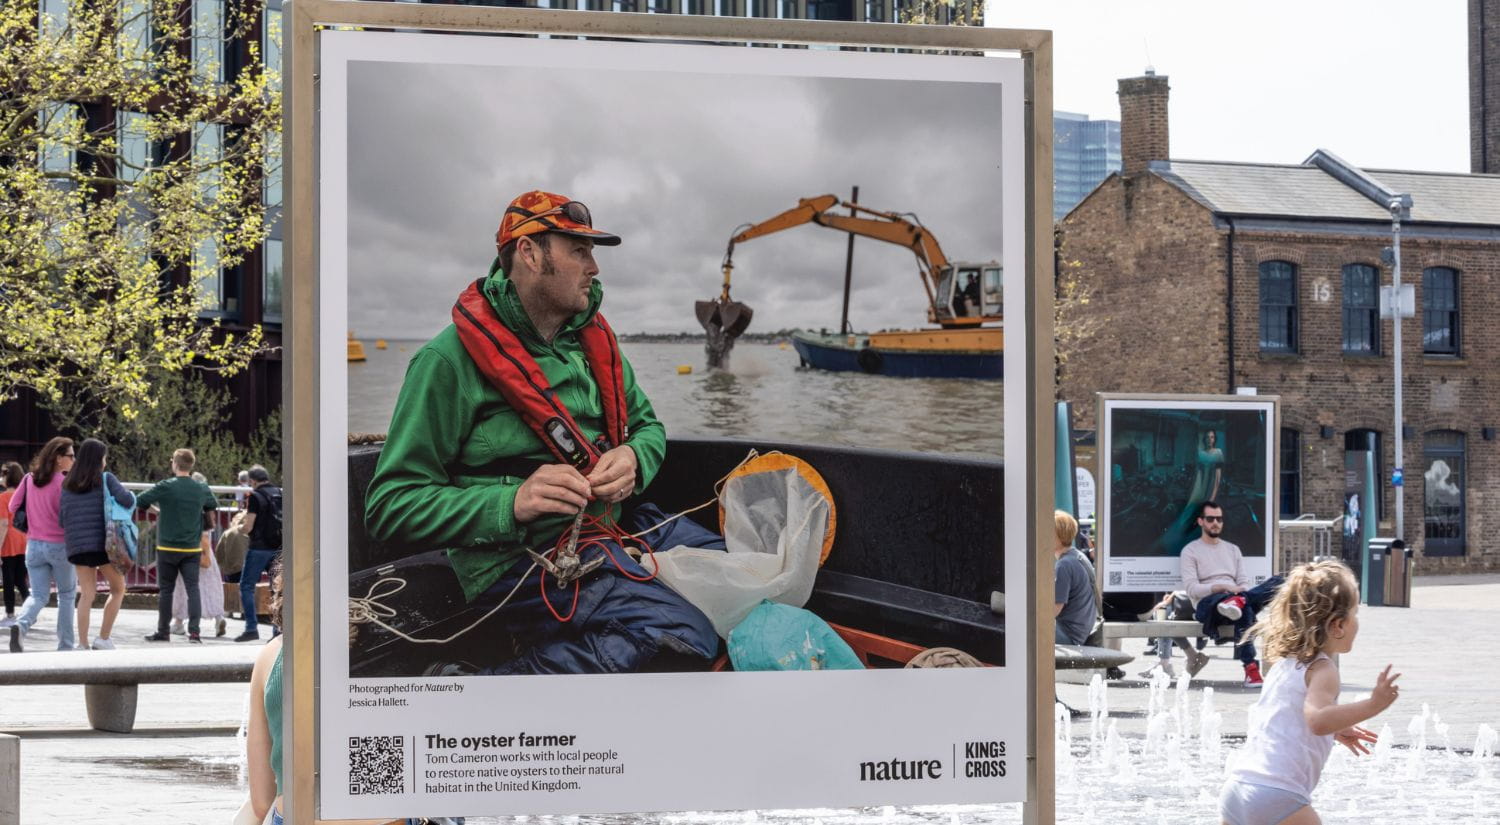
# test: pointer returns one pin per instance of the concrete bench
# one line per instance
(1085, 657)
(110, 677)
(1172, 629)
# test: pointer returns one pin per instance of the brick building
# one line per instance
(1214, 276)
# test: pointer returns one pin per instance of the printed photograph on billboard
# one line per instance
(565, 566)
(1160, 459)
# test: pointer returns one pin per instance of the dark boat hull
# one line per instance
(828, 353)
(916, 556)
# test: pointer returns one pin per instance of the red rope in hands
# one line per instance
(594, 532)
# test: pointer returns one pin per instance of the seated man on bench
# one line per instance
(1213, 574)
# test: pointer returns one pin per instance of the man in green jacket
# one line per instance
(179, 540)
(462, 469)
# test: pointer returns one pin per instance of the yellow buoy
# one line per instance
(356, 348)
(379, 343)
(783, 345)
(685, 369)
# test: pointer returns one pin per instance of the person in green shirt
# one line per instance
(463, 471)
(182, 501)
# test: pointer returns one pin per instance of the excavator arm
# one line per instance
(901, 232)
(724, 318)
(882, 226)
(806, 210)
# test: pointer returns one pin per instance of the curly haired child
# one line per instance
(1294, 724)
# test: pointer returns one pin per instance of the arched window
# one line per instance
(1361, 310)
(1444, 515)
(1278, 307)
(1440, 311)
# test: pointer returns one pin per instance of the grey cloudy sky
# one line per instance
(671, 162)
(1381, 83)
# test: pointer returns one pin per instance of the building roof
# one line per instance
(1309, 191)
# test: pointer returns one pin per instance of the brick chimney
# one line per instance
(1143, 120)
(1484, 86)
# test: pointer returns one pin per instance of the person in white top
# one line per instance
(1213, 574)
(1298, 718)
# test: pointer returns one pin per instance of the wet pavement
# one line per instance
(182, 763)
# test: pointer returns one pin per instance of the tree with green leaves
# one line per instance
(942, 12)
(131, 169)
(187, 413)
(1078, 315)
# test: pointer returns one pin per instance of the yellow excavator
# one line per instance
(962, 297)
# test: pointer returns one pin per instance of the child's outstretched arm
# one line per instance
(1326, 716)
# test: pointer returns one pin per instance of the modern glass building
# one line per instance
(873, 11)
(1085, 152)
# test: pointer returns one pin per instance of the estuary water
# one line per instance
(765, 394)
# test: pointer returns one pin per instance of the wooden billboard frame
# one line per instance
(305, 18)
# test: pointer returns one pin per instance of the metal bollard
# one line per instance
(10, 780)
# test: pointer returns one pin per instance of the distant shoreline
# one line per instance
(634, 338)
(698, 337)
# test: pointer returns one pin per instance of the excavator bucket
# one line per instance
(724, 321)
(730, 316)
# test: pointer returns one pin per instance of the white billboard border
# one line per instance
(1103, 480)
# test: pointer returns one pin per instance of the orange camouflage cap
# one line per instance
(538, 211)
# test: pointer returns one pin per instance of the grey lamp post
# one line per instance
(1400, 207)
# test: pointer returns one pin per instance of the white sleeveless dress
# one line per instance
(1280, 750)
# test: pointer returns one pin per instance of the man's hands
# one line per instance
(553, 488)
(562, 490)
(1354, 738)
(614, 476)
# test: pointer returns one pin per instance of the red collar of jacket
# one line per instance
(504, 361)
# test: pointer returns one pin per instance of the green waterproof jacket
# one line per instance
(435, 485)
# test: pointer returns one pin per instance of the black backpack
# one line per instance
(270, 517)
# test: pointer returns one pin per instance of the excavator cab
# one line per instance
(968, 291)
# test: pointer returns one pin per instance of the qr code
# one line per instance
(1116, 577)
(377, 764)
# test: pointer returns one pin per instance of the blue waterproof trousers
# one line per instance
(620, 625)
(1256, 598)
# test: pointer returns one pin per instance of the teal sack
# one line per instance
(781, 637)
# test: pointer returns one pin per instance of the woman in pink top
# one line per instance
(46, 556)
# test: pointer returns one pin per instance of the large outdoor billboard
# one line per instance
(422, 141)
(1160, 458)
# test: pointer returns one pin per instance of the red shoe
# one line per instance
(1232, 608)
(1252, 676)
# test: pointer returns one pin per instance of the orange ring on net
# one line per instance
(773, 462)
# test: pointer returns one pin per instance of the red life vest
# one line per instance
(503, 359)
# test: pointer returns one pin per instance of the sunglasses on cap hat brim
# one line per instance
(572, 212)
